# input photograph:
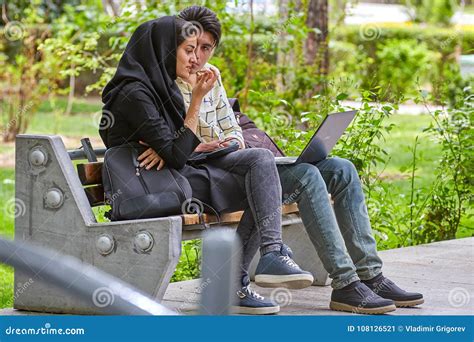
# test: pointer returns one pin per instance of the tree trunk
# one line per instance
(248, 74)
(70, 98)
(112, 7)
(286, 58)
(317, 52)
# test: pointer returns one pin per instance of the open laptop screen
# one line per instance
(326, 137)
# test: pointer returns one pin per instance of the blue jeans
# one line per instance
(343, 237)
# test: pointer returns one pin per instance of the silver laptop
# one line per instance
(323, 140)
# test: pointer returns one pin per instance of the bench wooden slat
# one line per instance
(95, 195)
(234, 217)
(90, 173)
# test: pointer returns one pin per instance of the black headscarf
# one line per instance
(150, 58)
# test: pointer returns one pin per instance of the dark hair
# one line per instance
(205, 18)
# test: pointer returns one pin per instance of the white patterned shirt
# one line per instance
(216, 117)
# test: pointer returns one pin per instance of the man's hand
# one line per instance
(150, 158)
(208, 147)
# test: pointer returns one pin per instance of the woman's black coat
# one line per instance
(143, 102)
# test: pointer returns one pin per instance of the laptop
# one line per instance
(323, 140)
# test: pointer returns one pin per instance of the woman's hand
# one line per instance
(204, 83)
(150, 158)
(208, 147)
(215, 144)
(231, 140)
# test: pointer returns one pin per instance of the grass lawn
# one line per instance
(399, 145)
(6, 229)
(82, 123)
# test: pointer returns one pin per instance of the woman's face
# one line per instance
(186, 57)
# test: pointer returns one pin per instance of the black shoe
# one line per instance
(386, 288)
(358, 298)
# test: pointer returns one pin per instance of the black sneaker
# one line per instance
(358, 298)
(277, 269)
(386, 288)
(251, 303)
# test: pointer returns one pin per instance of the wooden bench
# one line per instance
(56, 202)
(90, 175)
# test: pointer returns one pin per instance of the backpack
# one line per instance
(254, 136)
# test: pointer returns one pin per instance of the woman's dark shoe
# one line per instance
(386, 288)
(358, 298)
(277, 269)
(251, 303)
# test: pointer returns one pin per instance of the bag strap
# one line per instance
(88, 150)
(234, 103)
(196, 206)
(201, 216)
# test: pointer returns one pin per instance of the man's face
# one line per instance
(204, 50)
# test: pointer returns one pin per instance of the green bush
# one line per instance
(401, 65)
(362, 52)
(432, 11)
(453, 188)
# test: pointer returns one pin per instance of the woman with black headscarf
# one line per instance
(146, 106)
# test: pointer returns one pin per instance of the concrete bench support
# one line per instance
(53, 211)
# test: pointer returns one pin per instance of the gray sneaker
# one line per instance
(250, 302)
(277, 269)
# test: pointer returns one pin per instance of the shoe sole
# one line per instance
(291, 281)
(355, 309)
(245, 310)
(409, 303)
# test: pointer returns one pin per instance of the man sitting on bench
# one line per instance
(357, 280)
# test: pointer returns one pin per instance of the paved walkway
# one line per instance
(365, 13)
(442, 271)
